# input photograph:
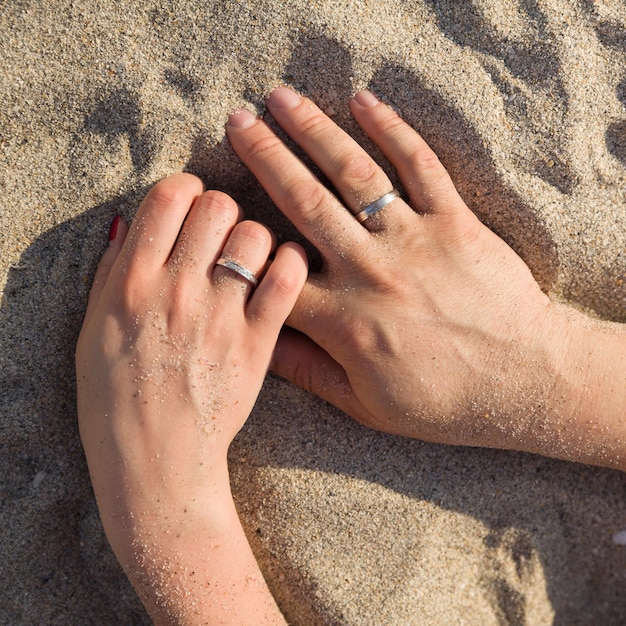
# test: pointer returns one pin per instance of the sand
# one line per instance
(525, 102)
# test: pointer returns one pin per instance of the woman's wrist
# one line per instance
(139, 519)
(194, 566)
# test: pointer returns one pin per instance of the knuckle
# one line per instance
(219, 199)
(283, 281)
(393, 124)
(252, 232)
(363, 336)
(264, 147)
(424, 159)
(173, 190)
(310, 127)
(308, 199)
(358, 171)
(218, 202)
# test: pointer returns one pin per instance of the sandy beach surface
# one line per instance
(524, 101)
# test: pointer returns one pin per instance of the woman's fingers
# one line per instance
(426, 181)
(159, 219)
(208, 224)
(117, 235)
(243, 258)
(274, 298)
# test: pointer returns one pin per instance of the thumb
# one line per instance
(302, 362)
(117, 235)
(313, 306)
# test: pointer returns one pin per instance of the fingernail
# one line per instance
(366, 98)
(113, 230)
(284, 98)
(242, 118)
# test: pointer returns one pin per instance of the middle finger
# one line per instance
(297, 192)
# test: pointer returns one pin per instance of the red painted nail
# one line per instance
(113, 230)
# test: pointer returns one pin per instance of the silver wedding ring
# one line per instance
(377, 205)
(238, 269)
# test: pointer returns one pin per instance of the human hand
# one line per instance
(422, 322)
(170, 360)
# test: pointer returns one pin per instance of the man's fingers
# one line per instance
(308, 204)
(425, 179)
(352, 171)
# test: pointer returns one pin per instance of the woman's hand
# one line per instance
(172, 354)
(423, 322)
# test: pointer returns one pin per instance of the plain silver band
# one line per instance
(376, 206)
(238, 269)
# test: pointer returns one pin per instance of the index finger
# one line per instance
(297, 192)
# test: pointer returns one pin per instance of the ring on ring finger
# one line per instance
(238, 269)
(244, 256)
(377, 205)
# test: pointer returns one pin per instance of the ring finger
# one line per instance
(244, 258)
